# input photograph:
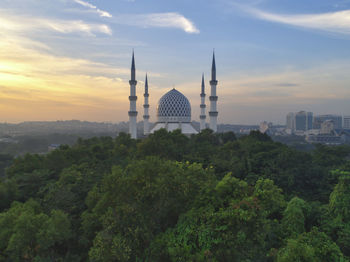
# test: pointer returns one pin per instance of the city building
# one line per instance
(337, 120)
(174, 109)
(325, 139)
(265, 127)
(290, 125)
(299, 122)
(346, 124)
(303, 121)
(327, 127)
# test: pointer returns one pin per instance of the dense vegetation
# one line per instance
(208, 197)
(39, 143)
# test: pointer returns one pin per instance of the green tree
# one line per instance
(339, 202)
(228, 223)
(294, 217)
(28, 234)
(309, 247)
(134, 204)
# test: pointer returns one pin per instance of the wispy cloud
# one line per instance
(75, 26)
(336, 22)
(170, 20)
(91, 6)
(12, 23)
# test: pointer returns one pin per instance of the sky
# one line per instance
(70, 59)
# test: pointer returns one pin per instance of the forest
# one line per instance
(170, 197)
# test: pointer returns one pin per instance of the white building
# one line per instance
(319, 119)
(327, 127)
(174, 109)
(264, 127)
(174, 112)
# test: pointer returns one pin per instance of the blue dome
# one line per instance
(174, 107)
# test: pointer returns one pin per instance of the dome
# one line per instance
(174, 107)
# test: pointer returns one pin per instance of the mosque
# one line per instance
(174, 109)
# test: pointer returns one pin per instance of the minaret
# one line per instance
(145, 109)
(132, 99)
(203, 106)
(213, 113)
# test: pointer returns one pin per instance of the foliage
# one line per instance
(232, 226)
(135, 204)
(170, 197)
(309, 247)
(29, 234)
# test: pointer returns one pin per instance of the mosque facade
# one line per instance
(174, 109)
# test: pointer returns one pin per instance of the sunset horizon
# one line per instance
(70, 59)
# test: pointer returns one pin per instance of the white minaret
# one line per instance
(132, 99)
(213, 113)
(145, 109)
(203, 106)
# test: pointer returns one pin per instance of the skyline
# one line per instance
(70, 59)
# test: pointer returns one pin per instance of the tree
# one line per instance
(309, 247)
(339, 202)
(28, 234)
(229, 223)
(135, 204)
(294, 216)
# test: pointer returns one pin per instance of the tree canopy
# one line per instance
(170, 197)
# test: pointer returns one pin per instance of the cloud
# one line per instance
(88, 5)
(74, 26)
(35, 85)
(25, 24)
(37, 82)
(336, 22)
(286, 84)
(169, 20)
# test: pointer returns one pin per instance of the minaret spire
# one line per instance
(213, 113)
(203, 85)
(133, 69)
(202, 106)
(146, 109)
(213, 68)
(132, 99)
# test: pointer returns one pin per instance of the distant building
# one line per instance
(299, 122)
(265, 127)
(346, 124)
(328, 134)
(327, 127)
(303, 121)
(337, 120)
(325, 139)
(53, 147)
(290, 124)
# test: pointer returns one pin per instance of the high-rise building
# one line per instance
(346, 122)
(337, 120)
(303, 121)
(309, 119)
(298, 122)
(290, 121)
